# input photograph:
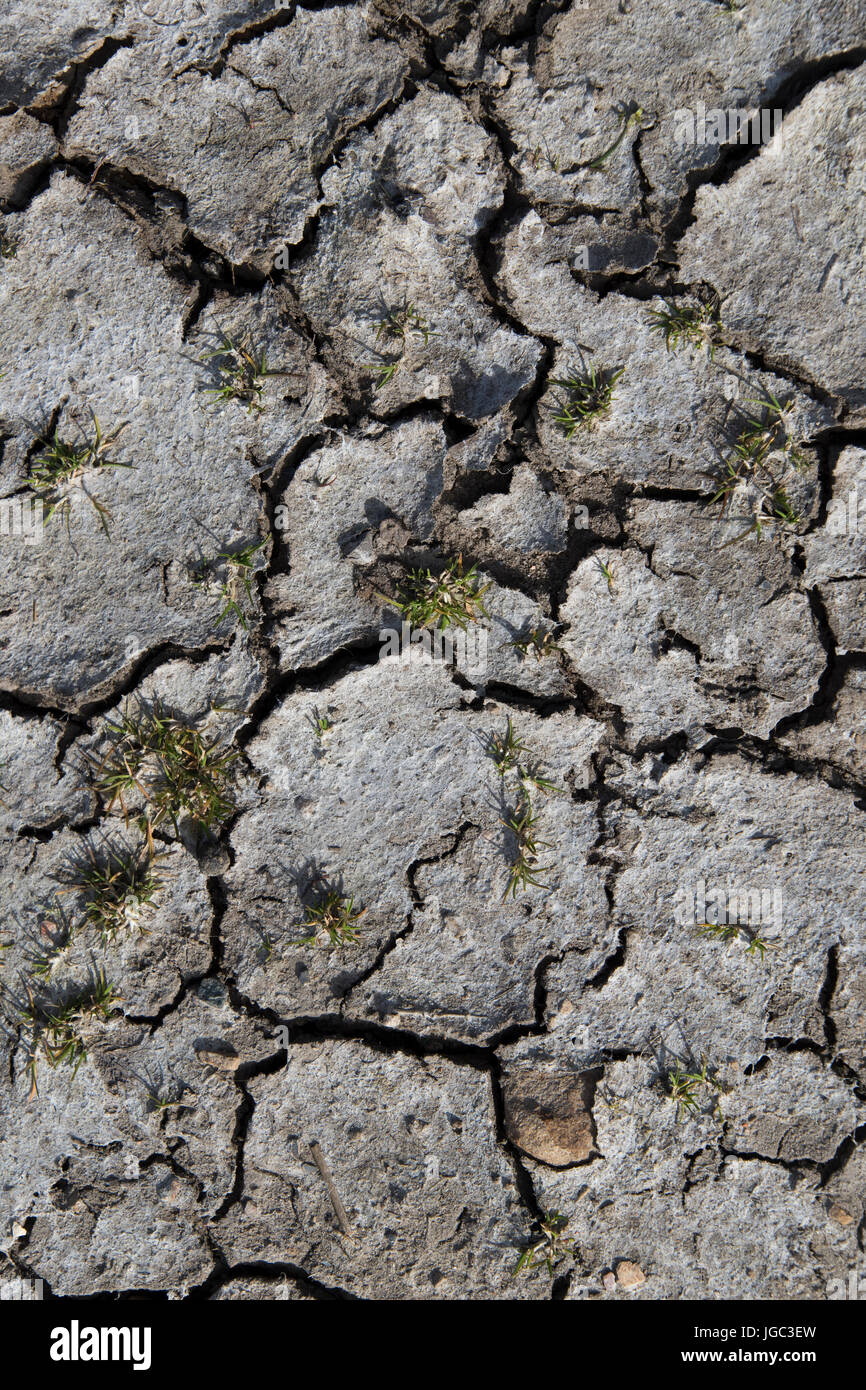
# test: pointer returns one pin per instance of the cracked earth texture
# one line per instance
(662, 1038)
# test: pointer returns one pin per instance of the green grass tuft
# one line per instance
(587, 395)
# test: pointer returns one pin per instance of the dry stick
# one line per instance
(319, 1160)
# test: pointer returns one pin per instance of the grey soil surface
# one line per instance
(290, 302)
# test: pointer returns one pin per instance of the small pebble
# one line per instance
(221, 1061)
(630, 1275)
(839, 1214)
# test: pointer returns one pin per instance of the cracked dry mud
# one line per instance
(417, 219)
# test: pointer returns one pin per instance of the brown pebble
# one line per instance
(222, 1061)
(839, 1214)
(630, 1275)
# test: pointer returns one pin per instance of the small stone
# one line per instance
(19, 1231)
(221, 1061)
(630, 1275)
(548, 1116)
(840, 1215)
(609, 1281)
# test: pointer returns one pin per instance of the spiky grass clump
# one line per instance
(179, 774)
(587, 395)
(761, 465)
(538, 642)
(62, 464)
(118, 885)
(452, 598)
(47, 944)
(240, 372)
(510, 755)
(548, 1248)
(684, 1087)
(695, 325)
(401, 321)
(525, 869)
(331, 917)
(57, 1028)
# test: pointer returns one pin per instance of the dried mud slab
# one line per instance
(673, 415)
(599, 60)
(82, 608)
(455, 958)
(403, 206)
(682, 639)
(779, 242)
(775, 856)
(421, 1201)
(243, 148)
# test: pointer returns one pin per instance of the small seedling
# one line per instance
(239, 569)
(606, 571)
(118, 885)
(694, 324)
(588, 395)
(241, 373)
(536, 158)
(8, 247)
(160, 1102)
(762, 452)
(177, 772)
(719, 931)
(333, 915)
(506, 750)
(683, 1087)
(510, 754)
(532, 776)
(783, 511)
(62, 463)
(452, 598)
(56, 1030)
(549, 1249)
(525, 869)
(756, 944)
(402, 321)
(398, 323)
(321, 724)
(538, 642)
(383, 371)
(627, 122)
